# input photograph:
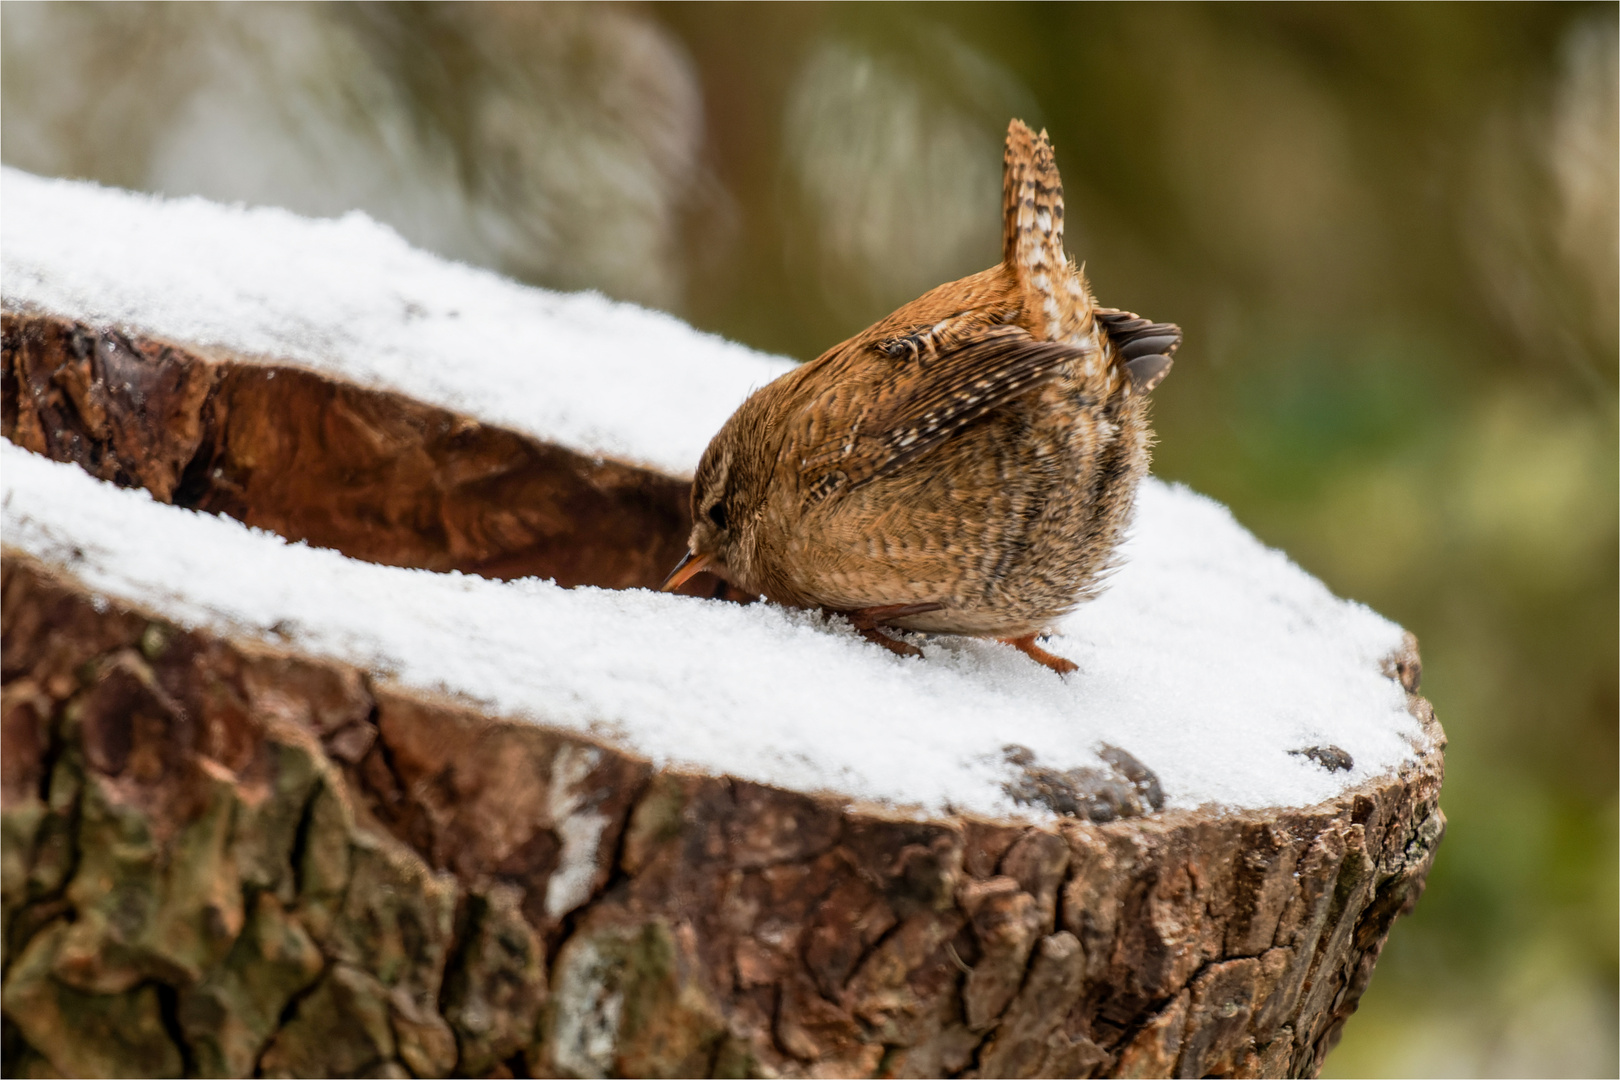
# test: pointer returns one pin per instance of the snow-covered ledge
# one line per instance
(463, 823)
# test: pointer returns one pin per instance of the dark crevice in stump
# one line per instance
(370, 473)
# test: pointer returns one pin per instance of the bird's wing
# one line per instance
(1146, 347)
(920, 399)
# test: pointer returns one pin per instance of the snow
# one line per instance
(349, 297)
(1209, 657)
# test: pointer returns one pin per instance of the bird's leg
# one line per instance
(868, 621)
(1027, 646)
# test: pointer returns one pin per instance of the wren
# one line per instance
(967, 465)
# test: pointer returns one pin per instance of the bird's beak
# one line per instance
(689, 567)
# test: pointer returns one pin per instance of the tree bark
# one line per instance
(221, 858)
(225, 858)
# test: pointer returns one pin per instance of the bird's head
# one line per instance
(728, 497)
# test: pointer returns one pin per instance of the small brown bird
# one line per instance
(966, 466)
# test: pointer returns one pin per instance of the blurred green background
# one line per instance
(1388, 231)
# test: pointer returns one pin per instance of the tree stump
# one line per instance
(225, 853)
(227, 858)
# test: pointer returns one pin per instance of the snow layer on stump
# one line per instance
(1209, 658)
(350, 298)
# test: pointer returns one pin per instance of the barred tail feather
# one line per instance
(1056, 300)
(1032, 208)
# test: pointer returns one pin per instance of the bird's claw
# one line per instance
(894, 645)
(868, 622)
(1027, 646)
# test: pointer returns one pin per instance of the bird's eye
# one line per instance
(717, 514)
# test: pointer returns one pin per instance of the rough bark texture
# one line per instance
(220, 858)
(375, 475)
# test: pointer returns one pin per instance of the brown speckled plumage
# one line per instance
(966, 465)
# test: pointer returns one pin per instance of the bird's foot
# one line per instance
(894, 645)
(868, 622)
(1027, 646)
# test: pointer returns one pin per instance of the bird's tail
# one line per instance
(1057, 302)
(1031, 206)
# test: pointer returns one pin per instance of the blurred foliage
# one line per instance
(1389, 232)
